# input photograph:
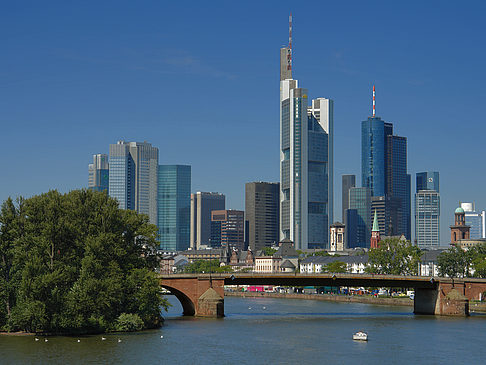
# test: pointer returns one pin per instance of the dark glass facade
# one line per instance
(262, 214)
(174, 206)
(360, 200)
(348, 182)
(374, 133)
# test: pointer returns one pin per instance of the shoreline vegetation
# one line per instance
(76, 264)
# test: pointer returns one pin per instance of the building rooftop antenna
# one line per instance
(374, 109)
(289, 55)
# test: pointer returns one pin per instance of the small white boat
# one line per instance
(360, 336)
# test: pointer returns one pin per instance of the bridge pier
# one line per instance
(425, 301)
(200, 295)
(445, 300)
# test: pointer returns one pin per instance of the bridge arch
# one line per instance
(188, 306)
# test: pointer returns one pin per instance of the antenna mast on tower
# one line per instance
(374, 110)
(289, 55)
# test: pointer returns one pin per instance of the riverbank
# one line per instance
(406, 302)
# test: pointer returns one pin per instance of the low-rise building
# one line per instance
(267, 264)
(241, 260)
(466, 244)
(428, 265)
(318, 264)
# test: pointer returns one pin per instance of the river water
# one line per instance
(271, 331)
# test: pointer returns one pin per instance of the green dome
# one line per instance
(459, 210)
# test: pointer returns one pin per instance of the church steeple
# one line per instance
(375, 232)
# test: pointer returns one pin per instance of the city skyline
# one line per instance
(110, 77)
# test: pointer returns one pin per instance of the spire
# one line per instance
(376, 228)
(289, 56)
(374, 110)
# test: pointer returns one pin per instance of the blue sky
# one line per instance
(200, 80)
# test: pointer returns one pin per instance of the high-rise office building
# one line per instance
(384, 172)
(398, 181)
(388, 212)
(262, 214)
(306, 162)
(428, 180)
(133, 177)
(476, 220)
(202, 204)
(98, 173)
(174, 206)
(227, 229)
(374, 139)
(351, 227)
(360, 201)
(427, 210)
(348, 182)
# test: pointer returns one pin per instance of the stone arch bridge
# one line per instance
(203, 294)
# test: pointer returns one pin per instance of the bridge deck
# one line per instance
(326, 279)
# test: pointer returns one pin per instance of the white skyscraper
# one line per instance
(306, 162)
(476, 220)
(133, 176)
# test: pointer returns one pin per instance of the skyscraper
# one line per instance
(133, 177)
(384, 172)
(227, 229)
(262, 214)
(306, 161)
(98, 173)
(360, 202)
(476, 220)
(398, 181)
(202, 204)
(174, 206)
(427, 210)
(348, 182)
(374, 139)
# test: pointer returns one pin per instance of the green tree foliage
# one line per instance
(394, 257)
(73, 263)
(319, 253)
(336, 266)
(455, 262)
(268, 251)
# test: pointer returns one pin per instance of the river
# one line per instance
(271, 331)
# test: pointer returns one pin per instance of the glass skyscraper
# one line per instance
(374, 139)
(427, 210)
(98, 173)
(348, 181)
(360, 202)
(476, 220)
(384, 172)
(133, 177)
(174, 206)
(306, 164)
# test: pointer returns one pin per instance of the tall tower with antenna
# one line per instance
(306, 161)
(286, 56)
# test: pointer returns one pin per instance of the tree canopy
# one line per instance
(394, 257)
(336, 266)
(207, 266)
(456, 262)
(74, 263)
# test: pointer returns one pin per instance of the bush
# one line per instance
(128, 322)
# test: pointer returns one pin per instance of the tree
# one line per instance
(268, 251)
(394, 257)
(455, 262)
(336, 266)
(478, 260)
(73, 263)
(320, 253)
